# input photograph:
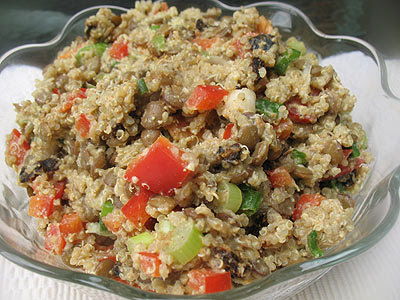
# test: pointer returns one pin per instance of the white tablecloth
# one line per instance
(372, 275)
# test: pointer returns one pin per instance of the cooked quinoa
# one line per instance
(166, 150)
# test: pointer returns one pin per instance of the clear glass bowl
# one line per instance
(377, 206)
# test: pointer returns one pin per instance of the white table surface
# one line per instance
(372, 275)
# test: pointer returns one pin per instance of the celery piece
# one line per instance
(144, 238)
(155, 27)
(142, 87)
(186, 243)
(95, 228)
(293, 43)
(299, 157)
(230, 196)
(98, 47)
(159, 42)
(105, 210)
(268, 108)
(312, 242)
(165, 226)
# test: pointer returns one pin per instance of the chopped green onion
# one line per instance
(356, 151)
(144, 238)
(268, 108)
(95, 228)
(186, 243)
(165, 226)
(299, 157)
(205, 53)
(114, 63)
(98, 47)
(338, 186)
(289, 56)
(105, 210)
(142, 87)
(159, 42)
(293, 43)
(312, 242)
(90, 86)
(230, 196)
(155, 27)
(251, 199)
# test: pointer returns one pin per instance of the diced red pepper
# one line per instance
(54, 241)
(164, 7)
(113, 222)
(306, 201)
(346, 153)
(228, 131)
(204, 43)
(55, 91)
(71, 223)
(119, 50)
(206, 97)
(206, 281)
(344, 170)
(17, 146)
(150, 264)
(280, 177)
(83, 126)
(160, 169)
(295, 115)
(59, 189)
(40, 206)
(67, 105)
(117, 278)
(135, 209)
(284, 129)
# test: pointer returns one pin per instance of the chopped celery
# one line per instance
(289, 56)
(155, 27)
(230, 196)
(186, 243)
(268, 108)
(312, 242)
(144, 238)
(98, 47)
(165, 226)
(356, 152)
(293, 43)
(90, 86)
(95, 228)
(142, 87)
(299, 157)
(105, 210)
(114, 63)
(159, 42)
(251, 199)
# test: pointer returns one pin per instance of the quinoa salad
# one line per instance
(188, 152)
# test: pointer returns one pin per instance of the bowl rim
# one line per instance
(323, 264)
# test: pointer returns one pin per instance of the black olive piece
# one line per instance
(88, 29)
(263, 41)
(200, 24)
(230, 259)
(48, 165)
(257, 64)
(256, 223)
(24, 176)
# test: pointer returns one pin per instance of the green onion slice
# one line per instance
(159, 42)
(293, 43)
(268, 108)
(155, 27)
(105, 210)
(98, 47)
(251, 199)
(230, 196)
(312, 242)
(95, 228)
(144, 238)
(356, 152)
(299, 157)
(165, 226)
(289, 56)
(186, 243)
(142, 87)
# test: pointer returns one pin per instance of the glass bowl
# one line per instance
(377, 206)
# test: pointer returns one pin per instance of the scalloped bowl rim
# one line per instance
(276, 277)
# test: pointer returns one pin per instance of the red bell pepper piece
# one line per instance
(206, 97)
(71, 223)
(135, 209)
(114, 222)
(284, 129)
(160, 169)
(54, 241)
(228, 131)
(83, 126)
(204, 43)
(205, 281)
(295, 115)
(17, 146)
(150, 264)
(40, 206)
(306, 201)
(119, 50)
(67, 105)
(280, 177)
